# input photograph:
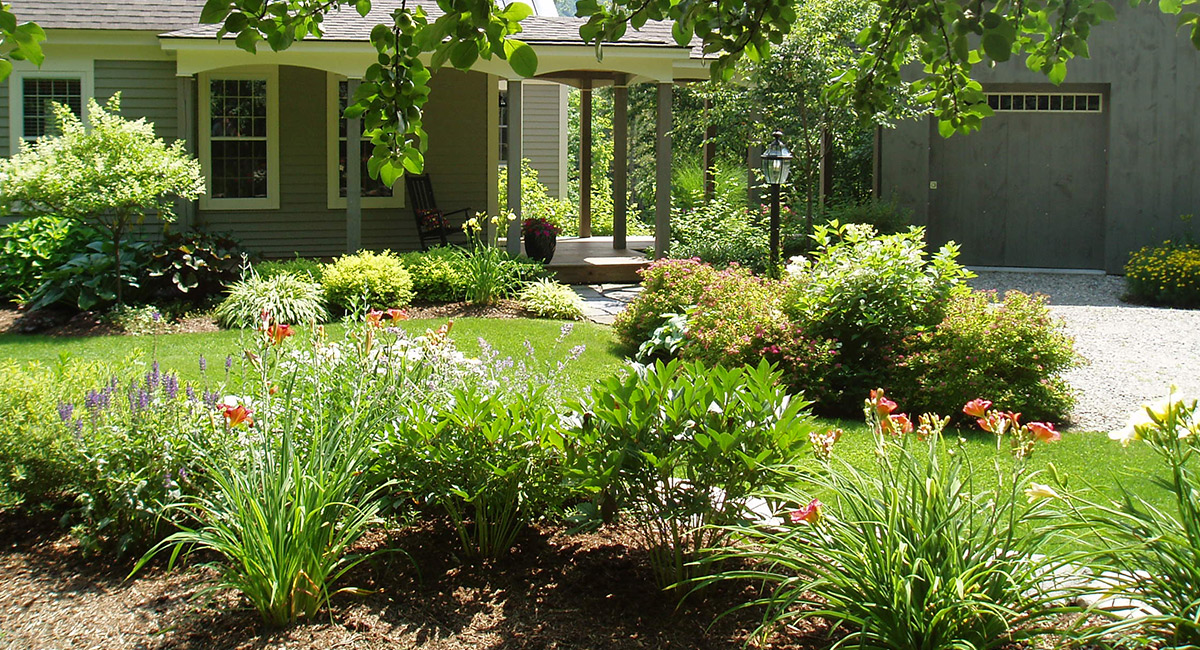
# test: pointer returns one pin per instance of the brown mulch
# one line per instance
(64, 323)
(585, 591)
(502, 309)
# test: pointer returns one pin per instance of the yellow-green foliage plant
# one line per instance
(367, 280)
(1168, 274)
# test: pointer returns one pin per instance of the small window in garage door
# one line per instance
(1046, 102)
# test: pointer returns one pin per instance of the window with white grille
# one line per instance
(1046, 102)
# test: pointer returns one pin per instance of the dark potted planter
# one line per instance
(541, 238)
(540, 246)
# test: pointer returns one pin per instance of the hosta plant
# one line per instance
(920, 551)
(677, 448)
(550, 299)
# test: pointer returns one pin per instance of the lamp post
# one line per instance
(776, 163)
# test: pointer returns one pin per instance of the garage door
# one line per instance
(1028, 189)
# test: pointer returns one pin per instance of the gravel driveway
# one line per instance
(1132, 354)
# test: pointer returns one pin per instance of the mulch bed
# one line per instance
(64, 323)
(586, 591)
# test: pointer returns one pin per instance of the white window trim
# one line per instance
(16, 96)
(204, 122)
(333, 182)
(1099, 96)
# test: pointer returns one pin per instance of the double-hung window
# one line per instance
(374, 193)
(33, 94)
(239, 140)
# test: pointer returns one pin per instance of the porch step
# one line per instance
(604, 270)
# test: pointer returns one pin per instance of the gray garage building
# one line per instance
(1074, 176)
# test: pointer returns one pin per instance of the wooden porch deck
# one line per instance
(594, 260)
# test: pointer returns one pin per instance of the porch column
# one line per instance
(662, 172)
(585, 159)
(515, 117)
(709, 152)
(353, 176)
(620, 183)
(186, 115)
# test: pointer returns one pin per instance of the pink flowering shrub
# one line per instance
(669, 286)
(1011, 349)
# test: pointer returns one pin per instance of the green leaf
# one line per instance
(521, 57)
(8, 22)
(517, 11)
(945, 128)
(1170, 6)
(1104, 11)
(248, 40)
(363, 7)
(214, 12)
(5, 68)
(463, 54)
(996, 46)
(682, 35)
(1058, 73)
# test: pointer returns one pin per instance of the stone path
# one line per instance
(602, 302)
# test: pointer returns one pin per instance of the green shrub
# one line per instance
(550, 299)
(537, 202)
(491, 462)
(921, 550)
(367, 280)
(660, 444)
(286, 298)
(720, 233)
(1168, 275)
(866, 293)
(669, 286)
(29, 248)
(303, 267)
(1012, 350)
(886, 217)
(437, 274)
(37, 461)
(733, 308)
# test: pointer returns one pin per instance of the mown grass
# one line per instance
(1085, 458)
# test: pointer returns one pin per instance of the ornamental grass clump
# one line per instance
(1148, 557)
(677, 448)
(288, 297)
(921, 551)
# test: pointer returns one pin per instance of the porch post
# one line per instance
(585, 159)
(710, 152)
(353, 176)
(515, 117)
(620, 160)
(662, 172)
(186, 115)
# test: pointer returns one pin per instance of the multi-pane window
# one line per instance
(38, 94)
(370, 186)
(1046, 102)
(238, 143)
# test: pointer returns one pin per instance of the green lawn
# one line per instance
(1085, 457)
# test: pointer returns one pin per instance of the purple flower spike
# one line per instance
(191, 393)
(228, 362)
(143, 398)
(211, 398)
(171, 386)
(203, 363)
(65, 411)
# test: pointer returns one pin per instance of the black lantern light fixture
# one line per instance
(776, 163)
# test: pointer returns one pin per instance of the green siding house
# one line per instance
(1074, 176)
(267, 127)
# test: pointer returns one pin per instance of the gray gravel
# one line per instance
(1131, 354)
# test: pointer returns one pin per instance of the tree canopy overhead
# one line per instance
(948, 37)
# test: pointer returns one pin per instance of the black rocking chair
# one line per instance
(433, 225)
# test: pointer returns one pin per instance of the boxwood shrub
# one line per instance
(367, 279)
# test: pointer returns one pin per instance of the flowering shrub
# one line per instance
(367, 280)
(921, 551)
(1168, 274)
(1013, 350)
(668, 287)
(730, 312)
(539, 227)
(866, 293)
(1149, 555)
(678, 448)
